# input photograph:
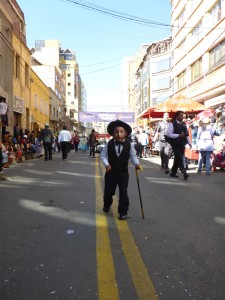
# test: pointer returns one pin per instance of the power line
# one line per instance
(124, 16)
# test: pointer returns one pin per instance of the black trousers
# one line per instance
(178, 160)
(92, 150)
(76, 146)
(111, 182)
(1, 158)
(48, 150)
(65, 149)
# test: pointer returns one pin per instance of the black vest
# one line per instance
(179, 128)
(119, 164)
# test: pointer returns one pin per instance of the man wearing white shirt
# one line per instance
(143, 140)
(64, 138)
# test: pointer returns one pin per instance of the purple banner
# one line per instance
(127, 117)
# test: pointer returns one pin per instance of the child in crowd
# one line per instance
(115, 156)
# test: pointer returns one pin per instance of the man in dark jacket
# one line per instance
(178, 135)
(47, 137)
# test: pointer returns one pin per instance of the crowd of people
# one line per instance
(203, 134)
(23, 145)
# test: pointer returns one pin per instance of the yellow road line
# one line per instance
(107, 286)
(142, 282)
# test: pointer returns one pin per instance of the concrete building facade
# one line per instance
(199, 50)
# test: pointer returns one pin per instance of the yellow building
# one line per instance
(21, 83)
(40, 96)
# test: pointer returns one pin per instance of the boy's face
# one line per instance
(119, 134)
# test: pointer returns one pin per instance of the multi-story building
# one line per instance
(70, 69)
(14, 38)
(6, 61)
(153, 76)
(53, 78)
(199, 50)
(128, 79)
(39, 103)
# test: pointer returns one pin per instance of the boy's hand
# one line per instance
(108, 168)
(138, 167)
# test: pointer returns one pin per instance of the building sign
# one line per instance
(18, 105)
(127, 117)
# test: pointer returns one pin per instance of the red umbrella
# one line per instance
(205, 114)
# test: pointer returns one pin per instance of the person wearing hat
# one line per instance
(115, 156)
(47, 137)
(205, 145)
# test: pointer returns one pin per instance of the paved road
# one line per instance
(56, 243)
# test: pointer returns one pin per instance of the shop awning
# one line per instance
(179, 102)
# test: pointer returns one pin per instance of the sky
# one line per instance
(99, 41)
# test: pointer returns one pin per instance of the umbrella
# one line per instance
(179, 102)
(205, 114)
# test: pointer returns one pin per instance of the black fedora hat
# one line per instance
(118, 123)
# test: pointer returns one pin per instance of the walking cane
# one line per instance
(142, 210)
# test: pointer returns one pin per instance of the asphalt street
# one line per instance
(56, 242)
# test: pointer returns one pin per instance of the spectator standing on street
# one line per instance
(64, 138)
(164, 146)
(47, 137)
(92, 141)
(178, 135)
(76, 141)
(205, 145)
(143, 140)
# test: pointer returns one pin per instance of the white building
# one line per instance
(198, 35)
(153, 76)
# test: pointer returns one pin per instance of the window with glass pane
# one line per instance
(181, 80)
(217, 55)
(196, 69)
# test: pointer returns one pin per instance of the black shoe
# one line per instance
(173, 175)
(167, 171)
(106, 209)
(185, 176)
(122, 217)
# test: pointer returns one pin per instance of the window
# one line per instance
(197, 32)
(181, 80)
(46, 108)
(181, 18)
(27, 75)
(68, 75)
(41, 106)
(196, 69)
(17, 66)
(56, 78)
(69, 83)
(145, 91)
(162, 65)
(217, 55)
(35, 101)
(64, 67)
(215, 13)
(160, 84)
(50, 109)
(69, 93)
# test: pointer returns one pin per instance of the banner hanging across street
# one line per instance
(127, 117)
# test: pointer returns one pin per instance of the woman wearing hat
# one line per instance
(205, 145)
(115, 156)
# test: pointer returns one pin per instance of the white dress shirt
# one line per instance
(64, 136)
(133, 155)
